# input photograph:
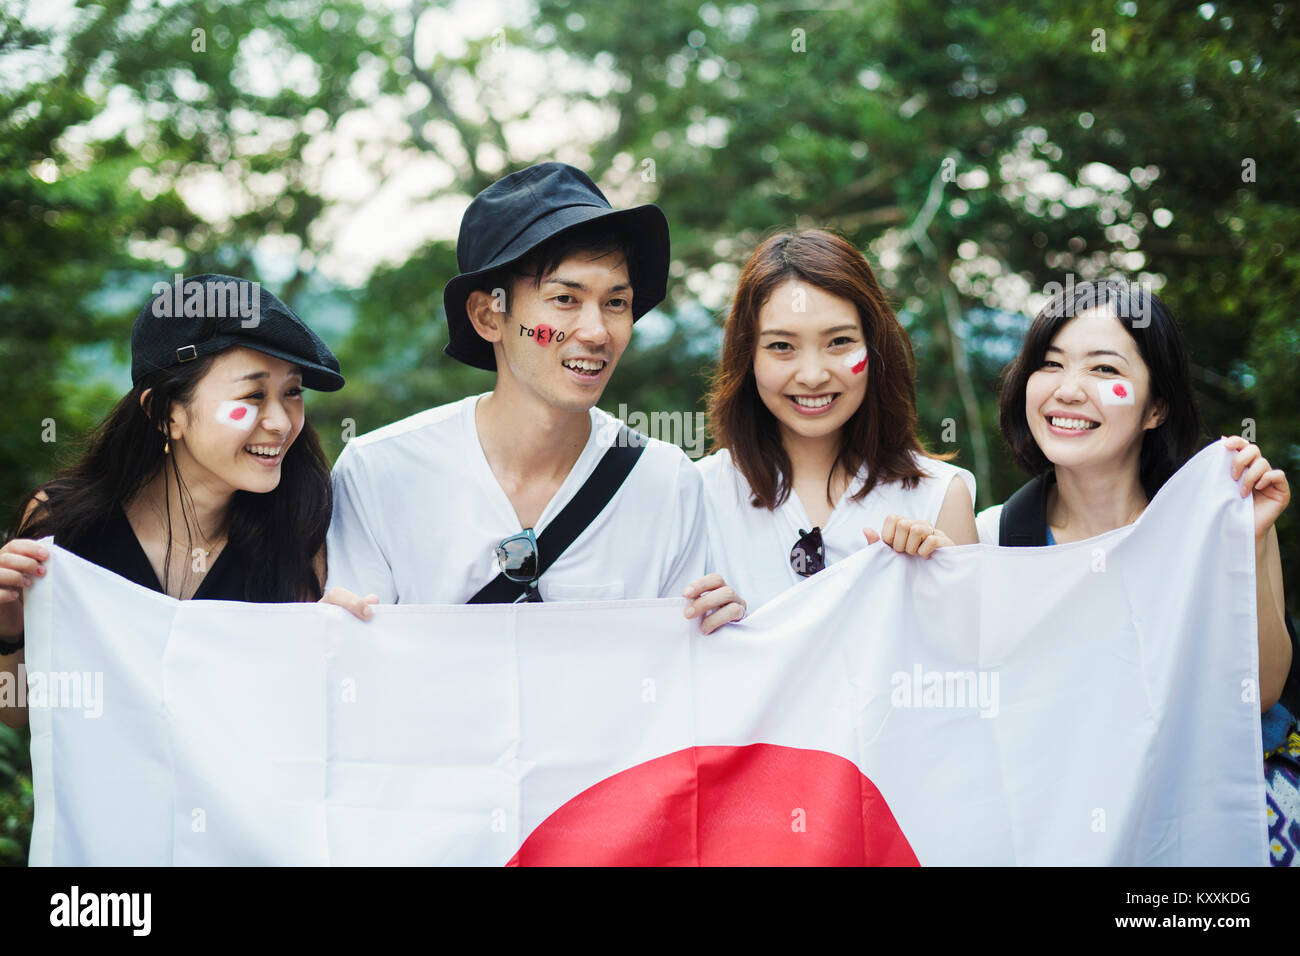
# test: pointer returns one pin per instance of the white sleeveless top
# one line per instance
(988, 523)
(751, 546)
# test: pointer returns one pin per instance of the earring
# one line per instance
(167, 447)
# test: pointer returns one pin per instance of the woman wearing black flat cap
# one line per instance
(206, 480)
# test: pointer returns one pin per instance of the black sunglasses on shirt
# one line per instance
(808, 556)
(517, 557)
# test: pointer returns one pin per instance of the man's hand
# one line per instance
(360, 606)
(715, 602)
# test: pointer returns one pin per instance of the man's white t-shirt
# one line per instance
(751, 546)
(418, 515)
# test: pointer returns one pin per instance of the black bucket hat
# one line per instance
(516, 214)
(201, 315)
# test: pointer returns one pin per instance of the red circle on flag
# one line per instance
(1120, 390)
(238, 412)
(759, 805)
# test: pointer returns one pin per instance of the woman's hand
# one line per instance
(21, 561)
(715, 602)
(909, 536)
(346, 599)
(1269, 484)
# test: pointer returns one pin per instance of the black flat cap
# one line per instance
(202, 315)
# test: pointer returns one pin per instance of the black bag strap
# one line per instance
(1291, 689)
(596, 492)
(1023, 523)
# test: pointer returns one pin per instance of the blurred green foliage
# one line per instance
(976, 151)
(15, 797)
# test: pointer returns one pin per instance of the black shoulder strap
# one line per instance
(596, 492)
(1023, 523)
(1291, 689)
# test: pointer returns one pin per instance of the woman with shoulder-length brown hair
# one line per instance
(813, 412)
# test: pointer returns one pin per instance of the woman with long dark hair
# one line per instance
(813, 411)
(1098, 407)
(206, 480)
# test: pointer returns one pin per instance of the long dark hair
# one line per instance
(1151, 325)
(882, 432)
(277, 534)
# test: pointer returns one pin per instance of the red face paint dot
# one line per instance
(725, 806)
(545, 334)
(857, 361)
(238, 413)
(1120, 391)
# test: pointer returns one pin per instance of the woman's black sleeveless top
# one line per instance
(113, 546)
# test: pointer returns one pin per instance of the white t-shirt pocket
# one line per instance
(613, 591)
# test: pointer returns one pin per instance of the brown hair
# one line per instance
(882, 432)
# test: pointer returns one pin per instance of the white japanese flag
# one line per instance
(240, 415)
(1091, 703)
(1115, 391)
(856, 362)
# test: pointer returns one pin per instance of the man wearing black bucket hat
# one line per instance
(529, 492)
